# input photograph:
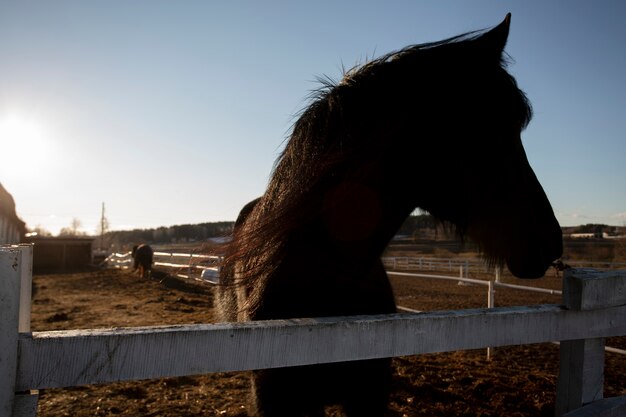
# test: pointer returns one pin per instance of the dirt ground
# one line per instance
(518, 381)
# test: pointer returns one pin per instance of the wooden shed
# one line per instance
(61, 254)
(12, 228)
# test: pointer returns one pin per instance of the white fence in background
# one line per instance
(185, 265)
(204, 267)
(472, 266)
(416, 263)
(594, 307)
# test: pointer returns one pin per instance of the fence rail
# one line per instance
(187, 265)
(100, 356)
(473, 265)
(192, 265)
(594, 308)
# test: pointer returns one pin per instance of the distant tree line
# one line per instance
(425, 227)
(593, 228)
(170, 234)
(73, 229)
(416, 223)
(417, 226)
(599, 230)
(413, 226)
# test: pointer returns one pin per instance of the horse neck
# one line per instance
(359, 218)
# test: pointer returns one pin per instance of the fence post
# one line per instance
(25, 403)
(491, 300)
(26, 285)
(16, 268)
(9, 313)
(581, 374)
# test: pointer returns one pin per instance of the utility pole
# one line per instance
(102, 221)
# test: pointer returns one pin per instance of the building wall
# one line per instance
(12, 229)
(57, 254)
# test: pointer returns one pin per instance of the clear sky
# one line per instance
(173, 112)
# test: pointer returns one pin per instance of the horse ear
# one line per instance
(495, 39)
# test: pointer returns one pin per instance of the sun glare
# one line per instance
(24, 142)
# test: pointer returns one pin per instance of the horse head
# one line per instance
(448, 119)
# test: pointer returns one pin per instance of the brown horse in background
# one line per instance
(142, 260)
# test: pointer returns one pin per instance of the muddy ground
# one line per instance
(518, 381)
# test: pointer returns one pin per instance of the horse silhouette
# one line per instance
(142, 260)
(434, 126)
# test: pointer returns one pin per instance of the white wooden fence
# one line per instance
(204, 268)
(186, 265)
(594, 307)
(472, 265)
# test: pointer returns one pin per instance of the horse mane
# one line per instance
(325, 144)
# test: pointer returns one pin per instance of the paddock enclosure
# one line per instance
(519, 380)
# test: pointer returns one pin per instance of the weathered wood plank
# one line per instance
(609, 407)
(586, 289)
(581, 374)
(57, 359)
(26, 405)
(26, 283)
(9, 313)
